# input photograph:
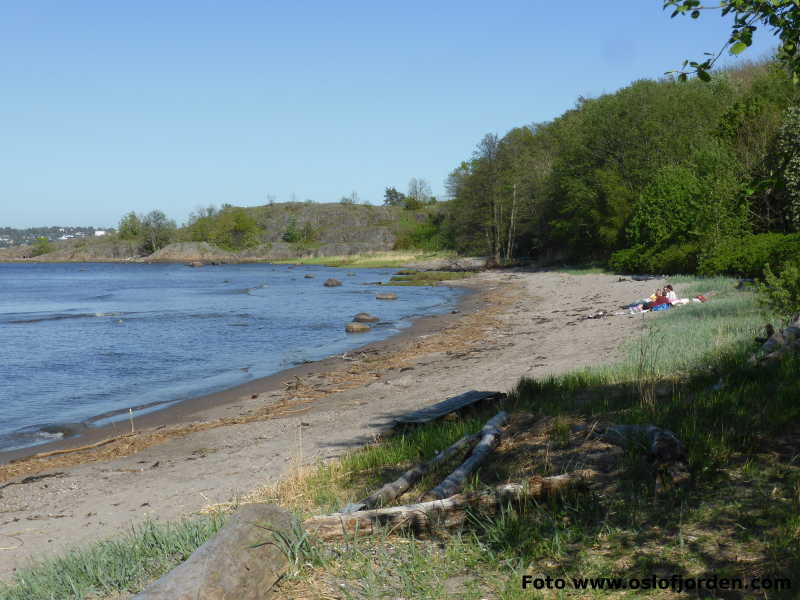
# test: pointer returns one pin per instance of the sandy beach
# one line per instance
(217, 448)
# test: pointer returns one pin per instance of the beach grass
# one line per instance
(110, 568)
(387, 259)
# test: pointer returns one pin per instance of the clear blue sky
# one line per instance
(107, 107)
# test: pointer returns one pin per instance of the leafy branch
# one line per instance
(782, 17)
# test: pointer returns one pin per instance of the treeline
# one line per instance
(659, 176)
(229, 227)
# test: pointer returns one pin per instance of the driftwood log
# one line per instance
(448, 512)
(490, 437)
(778, 342)
(661, 445)
(392, 490)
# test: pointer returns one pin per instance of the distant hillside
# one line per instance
(270, 232)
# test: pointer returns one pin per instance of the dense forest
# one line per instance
(667, 176)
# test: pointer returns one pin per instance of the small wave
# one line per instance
(57, 317)
(100, 297)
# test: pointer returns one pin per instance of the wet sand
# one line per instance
(218, 447)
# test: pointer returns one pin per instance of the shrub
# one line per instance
(747, 256)
(42, 246)
(781, 292)
(679, 258)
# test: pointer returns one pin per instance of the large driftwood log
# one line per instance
(449, 512)
(490, 437)
(392, 490)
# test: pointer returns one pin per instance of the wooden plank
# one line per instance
(445, 407)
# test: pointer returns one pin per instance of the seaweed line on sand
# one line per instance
(299, 396)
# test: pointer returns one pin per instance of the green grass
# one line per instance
(425, 277)
(112, 567)
(373, 260)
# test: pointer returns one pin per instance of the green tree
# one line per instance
(235, 229)
(157, 231)
(391, 197)
(130, 227)
(42, 245)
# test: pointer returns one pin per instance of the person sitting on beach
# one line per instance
(660, 299)
(670, 293)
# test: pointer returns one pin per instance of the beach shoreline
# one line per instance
(517, 323)
(187, 409)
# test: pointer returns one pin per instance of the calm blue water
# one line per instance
(82, 340)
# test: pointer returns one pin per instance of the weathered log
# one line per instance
(448, 512)
(662, 445)
(392, 490)
(490, 437)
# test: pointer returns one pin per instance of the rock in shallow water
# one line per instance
(332, 282)
(387, 296)
(357, 328)
(363, 317)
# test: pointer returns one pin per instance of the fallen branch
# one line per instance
(448, 512)
(490, 437)
(392, 490)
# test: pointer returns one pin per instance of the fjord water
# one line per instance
(83, 343)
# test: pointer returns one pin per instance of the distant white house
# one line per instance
(100, 232)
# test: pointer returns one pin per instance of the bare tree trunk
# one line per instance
(490, 437)
(510, 248)
(449, 512)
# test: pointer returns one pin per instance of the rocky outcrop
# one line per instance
(192, 252)
(241, 562)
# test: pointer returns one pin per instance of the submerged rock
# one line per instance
(363, 317)
(357, 327)
(308, 276)
(386, 296)
(332, 282)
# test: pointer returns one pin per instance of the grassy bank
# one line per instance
(738, 516)
(370, 260)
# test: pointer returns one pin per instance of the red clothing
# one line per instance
(661, 300)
